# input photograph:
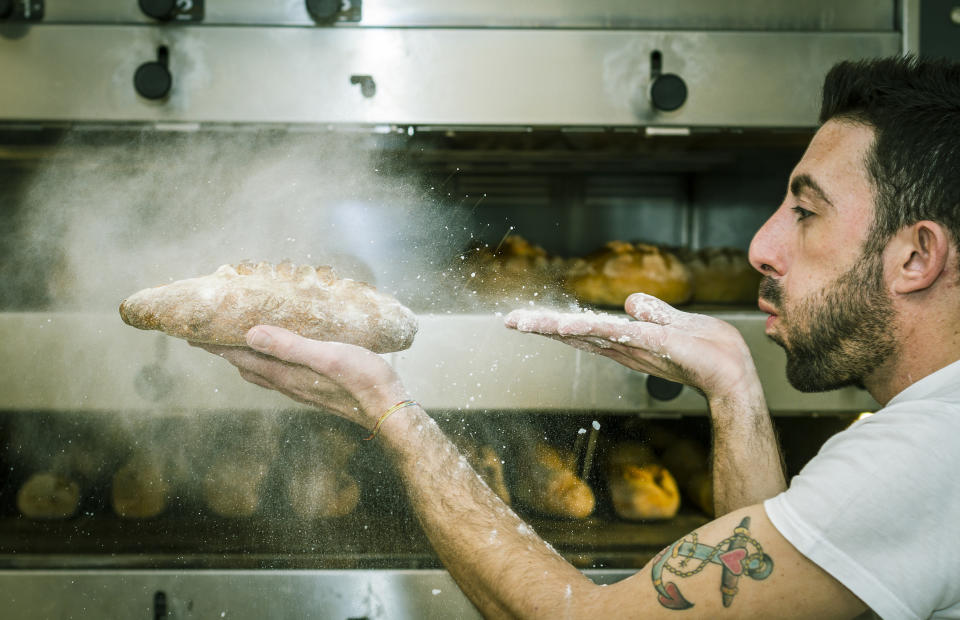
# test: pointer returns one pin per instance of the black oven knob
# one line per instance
(160, 10)
(153, 80)
(668, 92)
(324, 11)
(663, 389)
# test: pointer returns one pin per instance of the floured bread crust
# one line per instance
(609, 276)
(640, 487)
(549, 485)
(516, 271)
(221, 307)
(723, 275)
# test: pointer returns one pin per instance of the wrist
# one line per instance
(377, 400)
(401, 433)
(739, 395)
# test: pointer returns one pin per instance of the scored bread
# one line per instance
(608, 277)
(722, 275)
(640, 486)
(548, 484)
(221, 307)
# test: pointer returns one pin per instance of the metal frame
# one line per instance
(816, 15)
(449, 77)
(470, 363)
(238, 595)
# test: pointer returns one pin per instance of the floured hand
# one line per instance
(344, 379)
(697, 350)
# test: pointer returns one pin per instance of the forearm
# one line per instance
(747, 466)
(496, 558)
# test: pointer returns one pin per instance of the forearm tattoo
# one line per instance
(737, 555)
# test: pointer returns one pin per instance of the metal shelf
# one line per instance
(459, 362)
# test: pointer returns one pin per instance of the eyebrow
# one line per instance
(804, 183)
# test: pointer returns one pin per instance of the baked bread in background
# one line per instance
(722, 276)
(609, 276)
(516, 271)
(221, 307)
(319, 485)
(232, 486)
(140, 488)
(48, 495)
(484, 460)
(547, 483)
(641, 488)
(689, 462)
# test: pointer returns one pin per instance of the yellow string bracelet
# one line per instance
(390, 411)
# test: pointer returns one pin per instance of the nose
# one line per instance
(767, 249)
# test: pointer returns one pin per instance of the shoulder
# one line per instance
(877, 497)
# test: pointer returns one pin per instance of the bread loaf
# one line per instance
(484, 460)
(319, 485)
(514, 272)
(609, 276)
(547, 483)
(722, 275)
(640, 486)
(232, 485)
(220, 308)
(140, 489)
(688, 460)
(47, 495)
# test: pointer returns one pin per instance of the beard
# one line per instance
(839, 335)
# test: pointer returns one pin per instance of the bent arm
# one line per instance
(745, 454)
(702, 352)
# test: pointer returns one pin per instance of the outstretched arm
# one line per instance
(736, 566)
(702, 352)
(485, 546)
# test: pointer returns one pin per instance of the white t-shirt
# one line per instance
(879, 506)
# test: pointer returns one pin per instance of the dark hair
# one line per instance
(913, 106)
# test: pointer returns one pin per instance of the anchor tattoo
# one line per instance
(738, 555)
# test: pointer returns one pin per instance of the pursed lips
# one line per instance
(769, 309)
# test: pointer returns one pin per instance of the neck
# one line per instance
(929, 339)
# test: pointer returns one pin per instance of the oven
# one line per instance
(143, 142)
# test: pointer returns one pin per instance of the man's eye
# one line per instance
(802, 213)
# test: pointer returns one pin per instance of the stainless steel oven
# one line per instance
(147, 141)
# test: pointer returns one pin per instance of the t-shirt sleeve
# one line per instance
(877, 509)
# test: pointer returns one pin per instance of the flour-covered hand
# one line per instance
(697, 350)
(344, 379)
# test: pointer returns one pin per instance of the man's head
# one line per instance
(874, 202)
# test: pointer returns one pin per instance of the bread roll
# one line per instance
(515, 272)
(220, 308)
(689, 461)
(547, 483)
(319, 485)
(319, 491)
(484, 460)
(640, 487)
(140, 489)
(608, 277)
(47, 495)
(231, 487)
(723, 275)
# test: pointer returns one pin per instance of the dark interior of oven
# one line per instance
(567, 191)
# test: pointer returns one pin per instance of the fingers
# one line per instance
(331, 359)
(648, 308)
(283, 344)
(564, 323)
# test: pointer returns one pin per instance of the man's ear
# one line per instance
(919, 255)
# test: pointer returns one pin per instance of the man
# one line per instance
(862, 284)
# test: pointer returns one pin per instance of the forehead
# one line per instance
(835, 162)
